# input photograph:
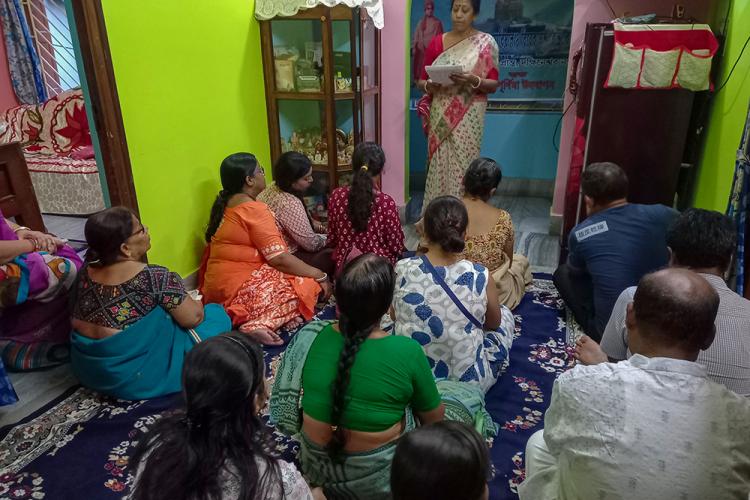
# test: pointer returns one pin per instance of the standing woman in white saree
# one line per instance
(453, 115)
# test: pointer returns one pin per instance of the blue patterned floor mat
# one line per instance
(79, 445)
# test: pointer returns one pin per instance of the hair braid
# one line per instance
(367, 162)
(354, 336)
(217, 213)
(234, 171)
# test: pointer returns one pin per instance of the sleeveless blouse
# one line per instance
(487, 249)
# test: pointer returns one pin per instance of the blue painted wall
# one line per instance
(520, 142)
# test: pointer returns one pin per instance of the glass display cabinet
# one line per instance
(322, 77)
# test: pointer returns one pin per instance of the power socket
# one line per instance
(678, 11)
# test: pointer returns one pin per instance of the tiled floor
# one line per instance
(70, 228)
(530, 217)
(34, 390)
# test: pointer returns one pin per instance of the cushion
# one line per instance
(66, 126)
(22, 124)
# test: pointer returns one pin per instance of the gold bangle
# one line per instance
(479, 83)
(21, 228)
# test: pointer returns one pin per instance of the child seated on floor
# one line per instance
(441, 461)
(217, 446)
(361, 218)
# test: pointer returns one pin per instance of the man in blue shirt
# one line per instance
(617, 244)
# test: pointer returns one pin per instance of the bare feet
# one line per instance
(263, 335)
(294, 323)
(588, 352)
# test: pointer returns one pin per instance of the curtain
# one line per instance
(268, 9)
(739, 205)
(23, 62)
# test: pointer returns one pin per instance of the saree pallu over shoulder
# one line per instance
(478, 55)
(285, 410)
(456, 119)
(144, 360)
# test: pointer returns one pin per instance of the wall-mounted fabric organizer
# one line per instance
(662, 56)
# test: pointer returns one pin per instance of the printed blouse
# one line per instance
(383, 236)
(119, 306)
(292, 220)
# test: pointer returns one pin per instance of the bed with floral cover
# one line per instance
(57, 146)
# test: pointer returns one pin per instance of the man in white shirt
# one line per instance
(704, 242)
(651, 427)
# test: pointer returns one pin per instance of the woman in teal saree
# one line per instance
(133, 322)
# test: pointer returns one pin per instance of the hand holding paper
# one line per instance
(442, 74)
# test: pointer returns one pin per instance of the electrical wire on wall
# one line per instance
(557, 125)
(731, 71)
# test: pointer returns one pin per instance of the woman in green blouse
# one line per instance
(350, 390)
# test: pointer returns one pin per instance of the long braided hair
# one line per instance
(364, 292)
(368, 161)
(234, 171)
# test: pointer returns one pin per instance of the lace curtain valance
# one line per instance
(268, 9)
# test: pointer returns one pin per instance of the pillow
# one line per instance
(66, 126)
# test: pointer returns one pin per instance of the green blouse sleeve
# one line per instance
(426, 396)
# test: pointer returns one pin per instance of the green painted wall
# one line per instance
(190, 82)
(725, 125)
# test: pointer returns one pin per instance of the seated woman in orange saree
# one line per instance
(247, 266)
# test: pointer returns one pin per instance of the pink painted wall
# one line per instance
(394, 107)
(595, 11)
(7, 96)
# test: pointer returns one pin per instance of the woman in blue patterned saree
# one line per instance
(449, 305)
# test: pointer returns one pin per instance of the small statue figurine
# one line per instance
(294, 142)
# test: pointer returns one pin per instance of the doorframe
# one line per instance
(105, 102)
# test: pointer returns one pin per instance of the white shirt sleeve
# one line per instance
(615, 337)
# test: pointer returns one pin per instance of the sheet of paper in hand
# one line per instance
(442, 74)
